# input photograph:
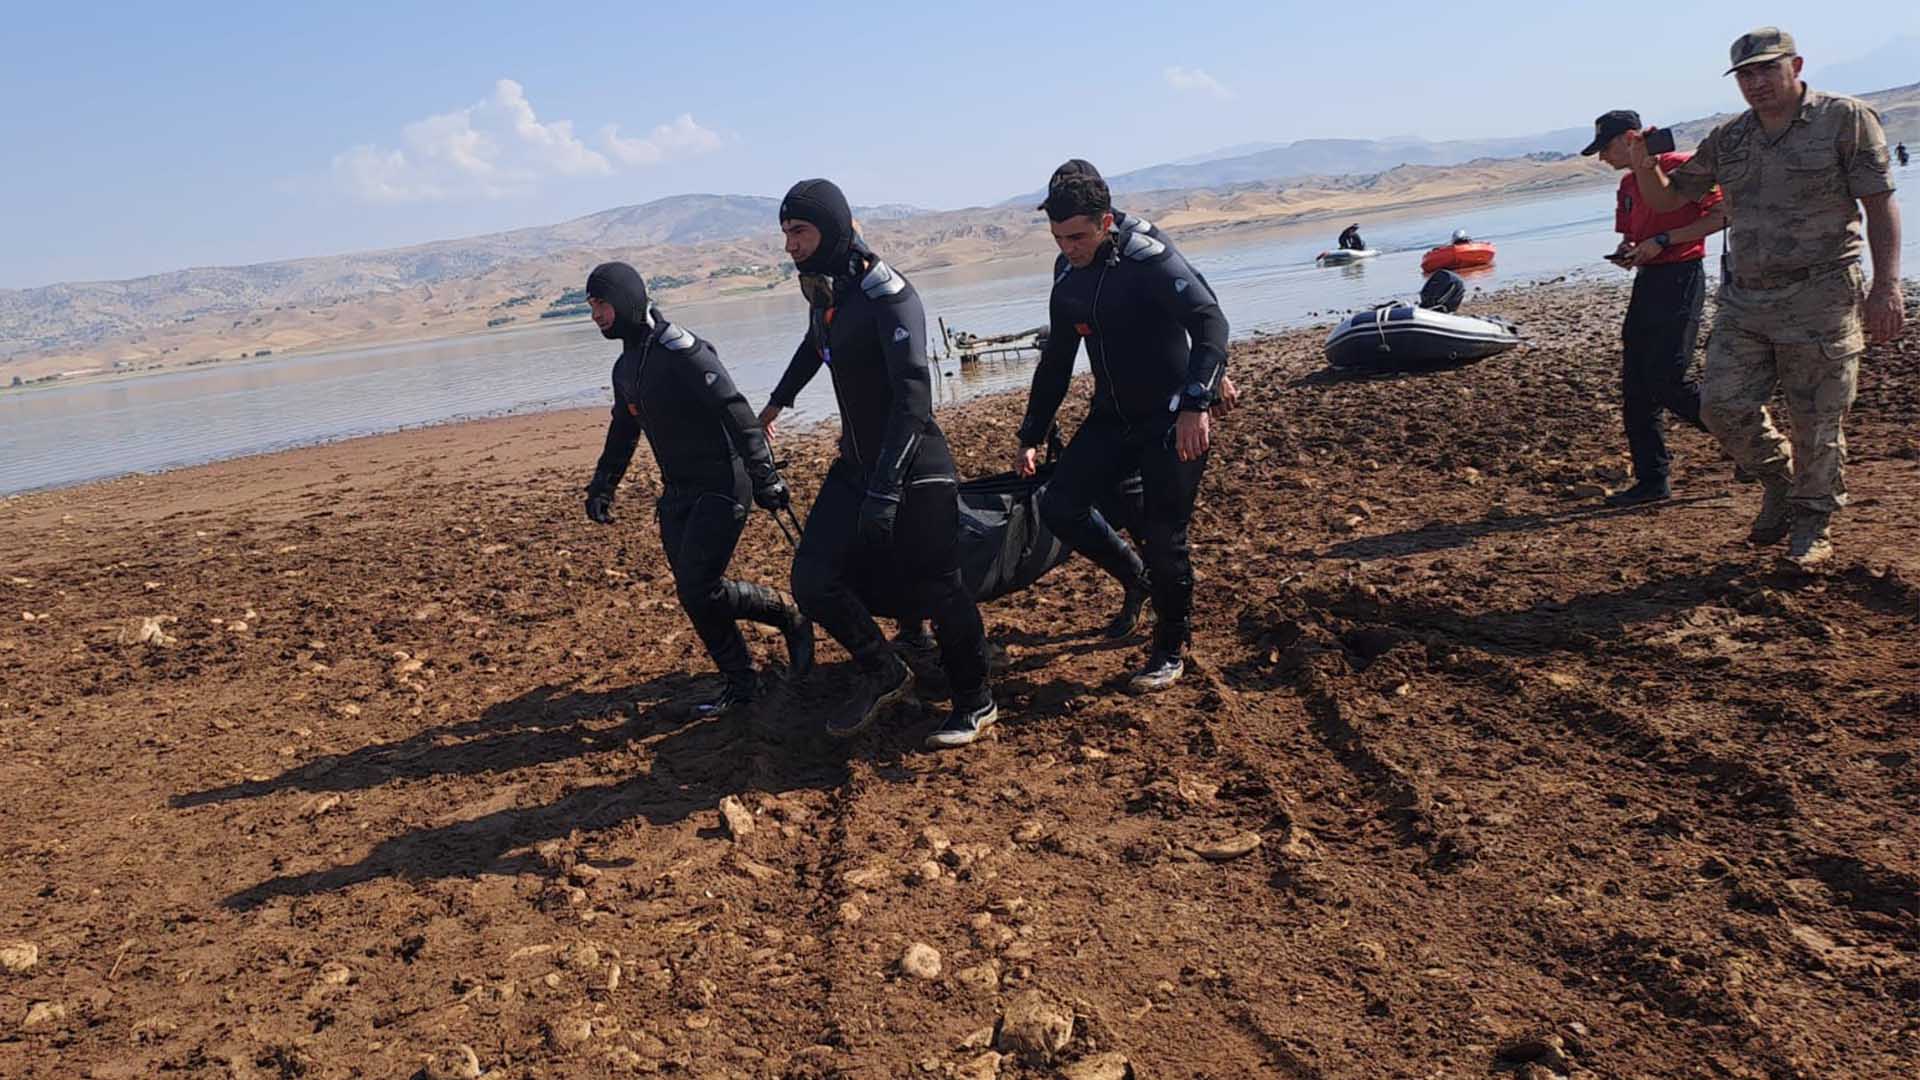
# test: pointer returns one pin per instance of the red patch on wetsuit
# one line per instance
(1085, 330)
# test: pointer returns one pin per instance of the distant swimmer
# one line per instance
(1460, 237)
(1900, 152)
(1350, 237)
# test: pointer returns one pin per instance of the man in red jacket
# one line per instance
(1663, 315)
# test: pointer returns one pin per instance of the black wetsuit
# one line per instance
(1350, 239)
(1157, 342)
(712, 455)
(873, 340)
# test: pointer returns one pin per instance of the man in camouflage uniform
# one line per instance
(1794, 313)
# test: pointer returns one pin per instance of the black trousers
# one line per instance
(1102, 453)
(700, 526)
(1662, 327)
(926, 559)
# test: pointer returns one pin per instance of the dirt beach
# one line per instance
(374, 760)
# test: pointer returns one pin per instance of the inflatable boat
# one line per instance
(1401, 337)
(1343, 256)
(1456, 257)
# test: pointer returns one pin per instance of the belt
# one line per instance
(1789, 277)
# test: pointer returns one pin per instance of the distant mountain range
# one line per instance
(726, 243)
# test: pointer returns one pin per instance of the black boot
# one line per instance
(885, 682)
(1646, 491)
(1127, 620)
(734, 698)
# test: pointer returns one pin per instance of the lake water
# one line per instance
(1266, 281)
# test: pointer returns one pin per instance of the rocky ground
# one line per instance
(374, 760)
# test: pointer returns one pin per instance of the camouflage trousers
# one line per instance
(1804, 339)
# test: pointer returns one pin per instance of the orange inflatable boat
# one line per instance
(1456, 257)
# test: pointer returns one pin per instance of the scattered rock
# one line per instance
(19, 958)
(1108, 1066)
(736, 817)
(870, 877)
(935, 838)
(1029, 831)
(582, 956)
(1034, 1026)
(921, 961)
(147, 630)
(1586, 491)
(1563, 681)
(455, 1063)
(850, 913)
(984, 978)
(44, 1012)
(1547, 1050)
(335, 974)
(318, 805)
(927, 873)
(984, 1067)
(1233, 847)
(569, 1033)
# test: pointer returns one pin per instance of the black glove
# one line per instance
(876, 521)
(600, 507)
(773, 494)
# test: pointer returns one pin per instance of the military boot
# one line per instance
(1776, 515)
(1811, 545)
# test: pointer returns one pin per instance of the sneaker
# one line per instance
(965, 723)
(1646, 491)
(1163, 669)
(799, 635)
(1811, 544)
(735, 697)
(887, 685)
(1128, 619)
(1776, 515)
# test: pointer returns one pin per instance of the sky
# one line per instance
(140, 138)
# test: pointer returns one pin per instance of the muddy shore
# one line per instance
(331, 762)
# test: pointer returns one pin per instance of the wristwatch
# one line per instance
(1663, 241)
(1195, 398)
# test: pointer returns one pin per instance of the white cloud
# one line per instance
(682, 138)
(496, 147)
(1185, 79)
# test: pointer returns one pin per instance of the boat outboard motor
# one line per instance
(1443, 292)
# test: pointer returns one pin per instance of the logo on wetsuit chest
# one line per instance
(633, 410)
(1180, 285)
(1083, 329)
(712, 375)
(900, 333)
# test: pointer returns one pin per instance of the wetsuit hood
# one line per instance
(821, 203)
(621, 285)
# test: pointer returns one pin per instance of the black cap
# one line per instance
(1088, 193)
(1609, 125)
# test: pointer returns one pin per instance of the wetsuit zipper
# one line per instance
(1112, 391)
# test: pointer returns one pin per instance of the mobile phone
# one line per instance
(1615, 258)
(1659, 140)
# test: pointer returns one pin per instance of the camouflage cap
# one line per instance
(1760, 46)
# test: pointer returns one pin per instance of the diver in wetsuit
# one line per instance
(1157, 343)
(713, 459)
(892, 493)
(1350, 238)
